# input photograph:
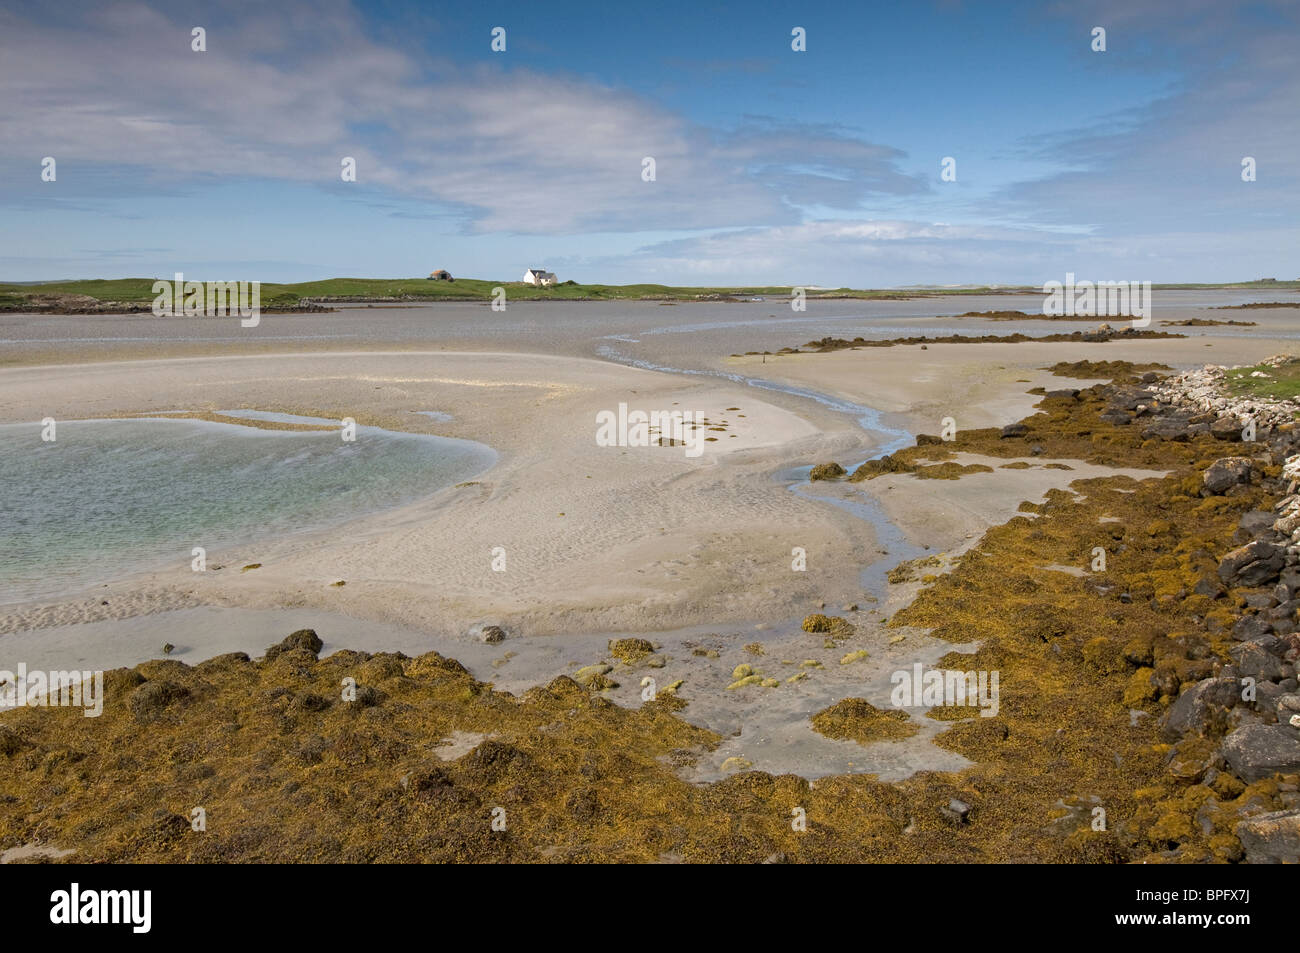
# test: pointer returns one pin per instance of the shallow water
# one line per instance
(688, 335)
(110, 497)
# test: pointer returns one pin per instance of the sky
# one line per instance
(772, 166)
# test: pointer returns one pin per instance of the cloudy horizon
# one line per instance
(771, 166)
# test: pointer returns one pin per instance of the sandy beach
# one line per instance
(695, 552)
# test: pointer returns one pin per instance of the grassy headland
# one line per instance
(128, 294)
(138, 293)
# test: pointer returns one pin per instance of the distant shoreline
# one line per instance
(135, 295)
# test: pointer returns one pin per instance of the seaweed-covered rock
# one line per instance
(152, 698)
(886, 464)
(595, 677)
(827, 471)
(856, 719)
(492, 634)
(11, 742)
(630, 650)
(166, 826)
(367, 697)
(583, 804)
(491, 760)
(431, 665)
(1194, 708)
(305, 639)
(311, 702)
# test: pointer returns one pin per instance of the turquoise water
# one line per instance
(110, 497)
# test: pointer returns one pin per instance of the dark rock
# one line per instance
(1014, 430)
(958, 812)
(1196, 708)
(1290, 578)
(1226, 428)
(1117, 418)
(1272, 838)
(1285, 609)
(1251, 627)
(493, 634)
(1227, 472)
(927, 440)
(1169, 428)
(1266, 696)
(1208, 585)
(1255, 661)
(1071, 392)
(1254, 564)
(1259, 751)
(1257, 522)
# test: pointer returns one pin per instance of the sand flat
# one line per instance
(595, 537)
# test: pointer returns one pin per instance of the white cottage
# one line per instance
(536, 276)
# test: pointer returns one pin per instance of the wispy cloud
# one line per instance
(513, 151)
(489, 151)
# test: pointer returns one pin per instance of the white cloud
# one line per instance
(517, 151)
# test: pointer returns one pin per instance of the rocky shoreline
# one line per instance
(84, 304)
(1125, 731)
(1098, 335)
(1242, 720)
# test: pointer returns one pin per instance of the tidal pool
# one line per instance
(110, 497)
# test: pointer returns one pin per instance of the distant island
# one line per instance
(129, 295)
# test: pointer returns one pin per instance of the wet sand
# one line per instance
(695, 553)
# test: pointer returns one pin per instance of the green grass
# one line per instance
(136, 290)
(1283, 383)
(463, 289)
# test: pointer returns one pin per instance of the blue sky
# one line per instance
(772, 166)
